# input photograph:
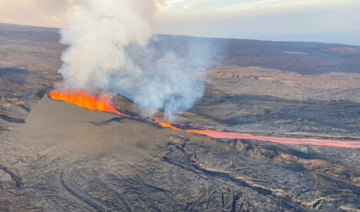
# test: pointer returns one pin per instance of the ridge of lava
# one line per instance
(102, 102)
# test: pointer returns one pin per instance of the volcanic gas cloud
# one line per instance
(107, 39)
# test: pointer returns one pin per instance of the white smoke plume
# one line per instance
(108, 49)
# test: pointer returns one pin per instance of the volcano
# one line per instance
(221, 156)
(104, 162)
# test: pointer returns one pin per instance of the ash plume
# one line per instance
(110, 48)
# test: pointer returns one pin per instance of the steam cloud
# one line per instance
(108, 49)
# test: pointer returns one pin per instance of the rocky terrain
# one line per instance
(59, 157)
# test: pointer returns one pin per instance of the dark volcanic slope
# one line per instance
(60, 157)
(67, 158)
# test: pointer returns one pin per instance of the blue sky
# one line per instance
(334, 21)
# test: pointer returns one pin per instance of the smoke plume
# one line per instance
(109, 49)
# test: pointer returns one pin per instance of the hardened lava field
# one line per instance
(56, 156)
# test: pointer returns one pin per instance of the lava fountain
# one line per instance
(102, 102)
(82, 99)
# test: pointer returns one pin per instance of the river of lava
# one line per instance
(166, 124)
(281, 140)
(103, 103)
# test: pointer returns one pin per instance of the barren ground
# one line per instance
(58, 157)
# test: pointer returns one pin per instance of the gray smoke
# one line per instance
(109, 49)
(166, 84)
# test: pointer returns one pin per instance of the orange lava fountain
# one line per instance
(103, 103)
(83, 99)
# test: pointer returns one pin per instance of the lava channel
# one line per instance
(103, 103)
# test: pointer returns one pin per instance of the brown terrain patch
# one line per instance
(333, 80)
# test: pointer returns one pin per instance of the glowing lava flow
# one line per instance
(281, 140)
(83, 99)
(166, 124)
(103, 103)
